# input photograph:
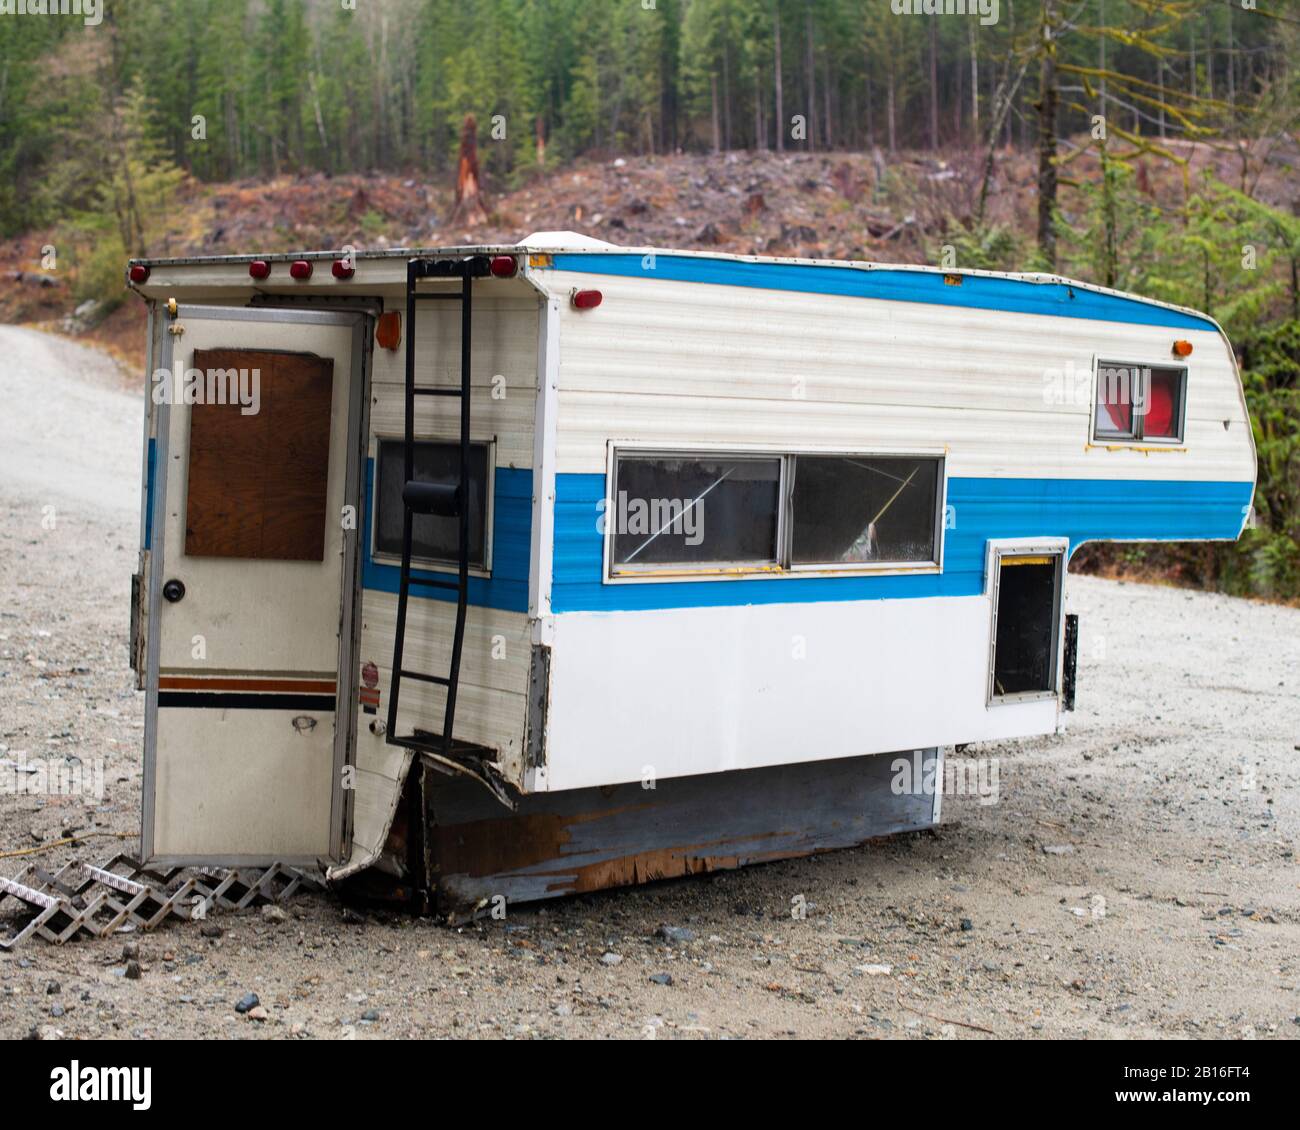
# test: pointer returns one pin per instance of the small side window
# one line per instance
(433, 538)
(1140, 402)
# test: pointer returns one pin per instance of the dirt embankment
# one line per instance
(895, 208)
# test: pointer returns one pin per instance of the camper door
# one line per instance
(252, 585)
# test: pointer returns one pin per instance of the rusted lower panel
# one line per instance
(589, 839)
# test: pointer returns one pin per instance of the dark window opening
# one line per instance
(1024, 652)
(694, 510)
(849, 509)
(433, 538)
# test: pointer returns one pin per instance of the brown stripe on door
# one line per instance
(245, 683)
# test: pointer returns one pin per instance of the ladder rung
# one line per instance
(439, 679)
(436, 391)
(434, 584)
(449, 295)
(433, 743)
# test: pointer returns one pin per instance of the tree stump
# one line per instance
(471, 201)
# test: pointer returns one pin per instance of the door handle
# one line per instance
(173, 591)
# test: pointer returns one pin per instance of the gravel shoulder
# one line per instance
(1137, 876)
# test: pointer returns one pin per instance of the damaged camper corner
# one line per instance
(553, 567)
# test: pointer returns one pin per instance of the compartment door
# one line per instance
(252, 586)
(1026, 581)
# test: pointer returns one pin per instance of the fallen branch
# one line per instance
(946, 1020)
(63, 843)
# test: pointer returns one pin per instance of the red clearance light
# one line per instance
(587, 299)
(342, 269)
(388, 330)
(259, 269)
(300, 269)
(139, 273)
(504, 266)
(1182, 348)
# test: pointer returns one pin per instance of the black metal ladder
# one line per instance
(436, 498)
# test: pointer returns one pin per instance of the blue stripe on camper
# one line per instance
(977, 291)
(512, 524)
(1080, 509)
(150, 469)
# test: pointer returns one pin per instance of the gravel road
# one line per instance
(1136, 877)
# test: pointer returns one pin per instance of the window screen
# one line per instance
(1138, 402)
(694, 510)
(433, 538)
(851, 509)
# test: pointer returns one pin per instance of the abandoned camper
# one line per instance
(559, 566)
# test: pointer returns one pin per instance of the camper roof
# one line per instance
(567, 243)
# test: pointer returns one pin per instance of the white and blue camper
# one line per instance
(508, 572)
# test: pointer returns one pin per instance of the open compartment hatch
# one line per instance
(1026, 591)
